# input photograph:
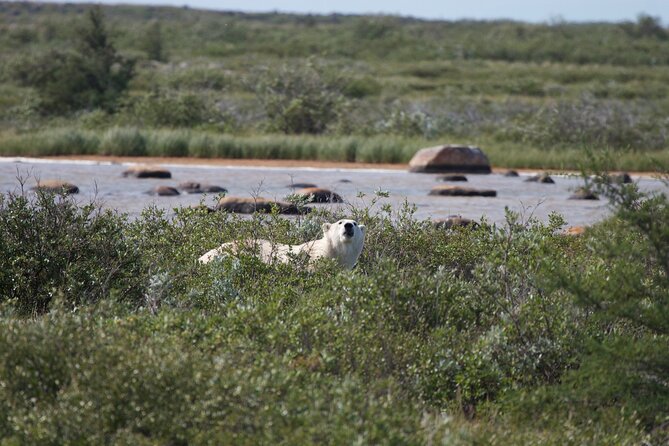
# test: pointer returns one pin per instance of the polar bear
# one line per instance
(342, 241)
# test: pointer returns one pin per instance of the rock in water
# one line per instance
(583, 194)
(450, 158)
(319, 195)
(452, 177)
(457, 191)
(241, 205)
(147, 172)
(541, 178)
(56, 186)
(164, 191)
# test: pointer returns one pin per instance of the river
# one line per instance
(102, 181)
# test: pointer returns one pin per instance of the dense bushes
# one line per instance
(90, 75)
(53, 250)
(300, 99)
(513, 325)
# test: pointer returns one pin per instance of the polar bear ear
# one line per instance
(362, 228)
(326, 227)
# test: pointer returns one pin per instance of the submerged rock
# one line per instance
(301, 185)
(319, 195)
(147, 172)
(457, 191)
(164, 191)
(243, 205)
(621, 178)
(455, 221)
(193, 187)
(541, 178)
(56, 186)
(511, 173)
(452, 178)
(583, 194)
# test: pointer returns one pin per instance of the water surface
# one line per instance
(103, 182)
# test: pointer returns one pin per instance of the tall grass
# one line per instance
(134, 142)
(375, 149)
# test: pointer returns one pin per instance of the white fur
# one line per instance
(336, 244)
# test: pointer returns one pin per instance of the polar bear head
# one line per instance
(342, 241)
(344, 232)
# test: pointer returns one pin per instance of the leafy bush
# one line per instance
(92, 75)
(300, 99)
(54, 250)
(161, 109)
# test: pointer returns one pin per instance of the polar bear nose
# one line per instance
(348, 229)
(348, 225)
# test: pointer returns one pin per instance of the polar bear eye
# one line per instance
(339, 222)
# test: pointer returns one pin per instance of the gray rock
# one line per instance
(450, 158)
(242, 205)
(56, 186)
(319, 195)
(457, 191)
(147, 172)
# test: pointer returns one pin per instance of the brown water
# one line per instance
(103, 181)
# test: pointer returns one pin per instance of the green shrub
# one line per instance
(54, 250)
(91, 75)
(300, 99)
(161, 109)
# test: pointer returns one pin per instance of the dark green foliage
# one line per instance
(300, 100)
(91, 74)
(161, 109)
(464, 322)
(625, 287)
(52, 250)
(153, 42)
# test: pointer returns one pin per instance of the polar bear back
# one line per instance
(342, 241)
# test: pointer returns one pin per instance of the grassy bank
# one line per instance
(128, 141)
(112, 333)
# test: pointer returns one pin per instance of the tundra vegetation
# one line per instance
(112, 333)
(134, 80)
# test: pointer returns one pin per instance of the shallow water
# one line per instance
(103, 181)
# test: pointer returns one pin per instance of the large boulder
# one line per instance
(319, 195)
(242, 205)
(457, 191)
(56, 186)
(450, 158)
(140, 171)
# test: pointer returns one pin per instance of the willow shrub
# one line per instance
(52, 249)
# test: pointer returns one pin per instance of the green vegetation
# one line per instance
(112, 333)
(531, 95)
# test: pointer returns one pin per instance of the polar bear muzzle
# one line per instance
(348, 230)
